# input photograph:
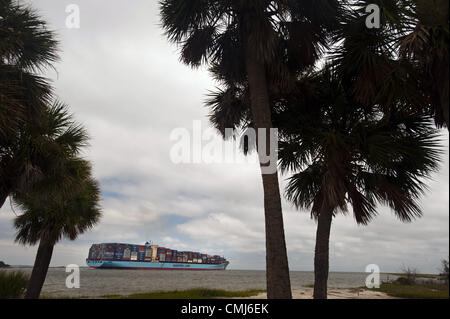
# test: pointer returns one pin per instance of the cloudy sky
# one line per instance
(124, 82)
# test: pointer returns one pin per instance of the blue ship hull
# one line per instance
(117, 264)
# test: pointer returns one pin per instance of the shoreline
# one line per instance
(199, 293)
(334, 293)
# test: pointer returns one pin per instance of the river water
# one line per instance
(101, 282)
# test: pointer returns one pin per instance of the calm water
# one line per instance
(100, 282)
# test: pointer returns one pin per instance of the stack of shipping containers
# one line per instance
(141, 253)
(148, 254)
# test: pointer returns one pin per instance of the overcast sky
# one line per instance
(124, 82)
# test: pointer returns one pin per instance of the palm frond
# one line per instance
(180, 18)
(25, 41)
(198, 47)
(230, 109)
(368, 155)
(304, 187)
(51, 213)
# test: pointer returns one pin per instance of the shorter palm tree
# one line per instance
(49, 215)
(346, 153)
(56, 192)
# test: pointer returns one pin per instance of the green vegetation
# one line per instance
(3, 265)
(12, 284)
(415, 291)
(427, 276)
(445, 271)
(197, 293)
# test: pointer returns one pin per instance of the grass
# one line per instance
(427, 276)
(415, 291)
(197, 293)
(12, 284)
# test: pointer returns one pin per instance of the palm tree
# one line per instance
(346, 153)
(343, 152)
(367, 59)
(254, 45)
(427, 46)
(42, 149)
(406, 58)
(26, 41)
(49, 215)
(371, 74)
(62, 199)
(26, 47)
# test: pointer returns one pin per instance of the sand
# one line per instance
(341, 293)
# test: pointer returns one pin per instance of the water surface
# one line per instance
(101, 282)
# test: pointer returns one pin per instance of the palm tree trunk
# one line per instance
(278, 281)
(321, 258)
(3, 197)
(444, 92)
(40, 268)
(441, 66)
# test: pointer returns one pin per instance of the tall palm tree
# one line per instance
(371, 74)
(348, 153)
(26, 48)
(253, 45)
(49, 215)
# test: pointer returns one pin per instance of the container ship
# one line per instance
(148, 256)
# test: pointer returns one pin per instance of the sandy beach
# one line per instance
(340, 293)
